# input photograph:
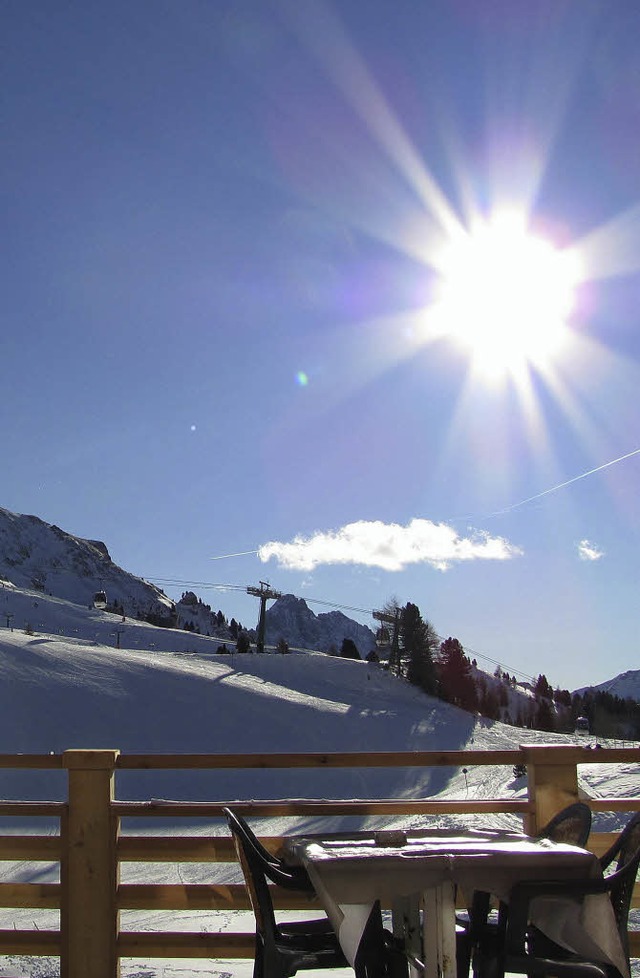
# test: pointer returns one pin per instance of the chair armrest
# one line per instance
(291, 878)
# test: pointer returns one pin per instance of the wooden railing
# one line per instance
(90, 846)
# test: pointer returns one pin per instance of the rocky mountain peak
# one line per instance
(291, 618)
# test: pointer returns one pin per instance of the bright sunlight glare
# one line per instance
(505, 295)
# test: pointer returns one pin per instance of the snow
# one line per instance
(66, 685)
(626, 685)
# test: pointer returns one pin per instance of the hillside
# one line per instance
(65, 670)
(41, 556)
(65, 684)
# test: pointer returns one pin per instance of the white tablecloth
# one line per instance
(350, 872)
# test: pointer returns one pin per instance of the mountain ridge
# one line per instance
(39, 556)
(291, 618)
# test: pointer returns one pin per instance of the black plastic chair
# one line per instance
(571, 825)
(290, 877)
(532, 953)
(482, 939)
(282, 949)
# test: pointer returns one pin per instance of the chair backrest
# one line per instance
(622, 880)
(253, 864)
(572, 825)
(619, 851)
(289, 877)
(243, 826)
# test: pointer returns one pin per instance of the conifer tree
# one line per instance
(243, 643)
(454, 672)
(419, 641)
(349, 649)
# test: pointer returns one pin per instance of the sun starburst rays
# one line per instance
(498, 293)
(504, 295)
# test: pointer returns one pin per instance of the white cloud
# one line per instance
(388, 546)
(589, 551)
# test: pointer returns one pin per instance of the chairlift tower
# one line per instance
(265, 593)
(391, 619)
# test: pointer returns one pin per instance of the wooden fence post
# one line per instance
(552, 775)
(89, 875)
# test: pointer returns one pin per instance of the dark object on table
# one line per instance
(483, 939)
(532, 953)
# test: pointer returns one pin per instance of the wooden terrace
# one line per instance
(90, 846)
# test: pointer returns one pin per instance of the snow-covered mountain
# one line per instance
(626, 686)
(42, 557)
(291, 618)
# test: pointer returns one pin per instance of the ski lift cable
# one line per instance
(243, 587)
(332, 604)
(205, 584)
(481, 655)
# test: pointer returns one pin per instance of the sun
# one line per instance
(505, 295)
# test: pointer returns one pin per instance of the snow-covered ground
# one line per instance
(65, 684)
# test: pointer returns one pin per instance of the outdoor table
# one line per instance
(351, 871)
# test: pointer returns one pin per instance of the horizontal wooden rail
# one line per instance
(32, 809)
(189, 896)
(42, 762)
(614, 804)
(310, 759)
(572, 754)
(184, 849)
(36, 848)
(203, 809)
(39, 896)
(36, 942)
(203, 896)
(183, 944)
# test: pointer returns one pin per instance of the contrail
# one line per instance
(569, 482)
(243, 553)
(500, 512)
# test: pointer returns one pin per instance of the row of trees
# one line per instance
(442, 668)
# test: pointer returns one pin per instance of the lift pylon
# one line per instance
(391, 619)
(265, 593)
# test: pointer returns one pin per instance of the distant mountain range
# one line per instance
(41, 556)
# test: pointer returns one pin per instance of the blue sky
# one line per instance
(225, 227)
